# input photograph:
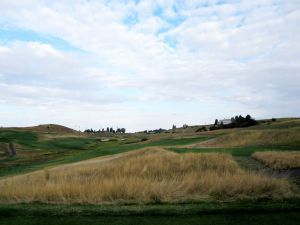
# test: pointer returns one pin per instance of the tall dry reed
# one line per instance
(143, 177)
(279, 160)
(257, 137)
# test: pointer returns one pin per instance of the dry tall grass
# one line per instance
(257, 137)
(145, 176)
(279, 160)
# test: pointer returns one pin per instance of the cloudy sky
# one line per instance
(147, 64)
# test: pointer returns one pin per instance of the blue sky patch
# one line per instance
(11, 35)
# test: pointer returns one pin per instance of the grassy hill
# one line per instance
(45, 128)
(46, 145)
(38, 147)
(62, 159)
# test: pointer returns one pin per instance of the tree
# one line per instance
(216, 122)
(248, 118)
(236, 118)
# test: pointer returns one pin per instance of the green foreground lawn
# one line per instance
(263, 212)
(274, 218)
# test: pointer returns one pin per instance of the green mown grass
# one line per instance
(181, 141)
(200, 208)
(71, 143)
(26, 138)
(233, 213)
(275, 218)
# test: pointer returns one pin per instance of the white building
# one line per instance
(224, 122)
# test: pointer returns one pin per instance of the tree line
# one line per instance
(107, 130)
(156, 131)
(235, 122)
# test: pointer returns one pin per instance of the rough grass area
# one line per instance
(261, 137)
(36, 150)
(279, 160)
(151, 175)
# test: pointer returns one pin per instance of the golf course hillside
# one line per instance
(203, 169)
(284, 132)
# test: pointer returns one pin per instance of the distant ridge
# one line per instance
(47, 128)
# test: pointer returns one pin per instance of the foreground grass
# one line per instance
(274, 218)
(201, 208)
(146, 176)
(209, 213)
(279, 160)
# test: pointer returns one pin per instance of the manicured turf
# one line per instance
(265, 212)
(71, 143)
(274, 218)
(21, 137)
(179, 141)
(200, 208)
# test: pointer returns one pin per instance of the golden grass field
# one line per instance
(259, 137)
(145, 176)
(279, 160)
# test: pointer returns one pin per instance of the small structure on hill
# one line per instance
(224, 122)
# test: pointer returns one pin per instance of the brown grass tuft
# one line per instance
(259, 137)
(149, 175)
(279, 160)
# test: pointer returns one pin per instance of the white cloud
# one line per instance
(243, 54)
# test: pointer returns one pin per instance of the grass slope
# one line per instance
(36, 152)
(38, 149)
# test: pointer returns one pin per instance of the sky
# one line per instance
(147, 64)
